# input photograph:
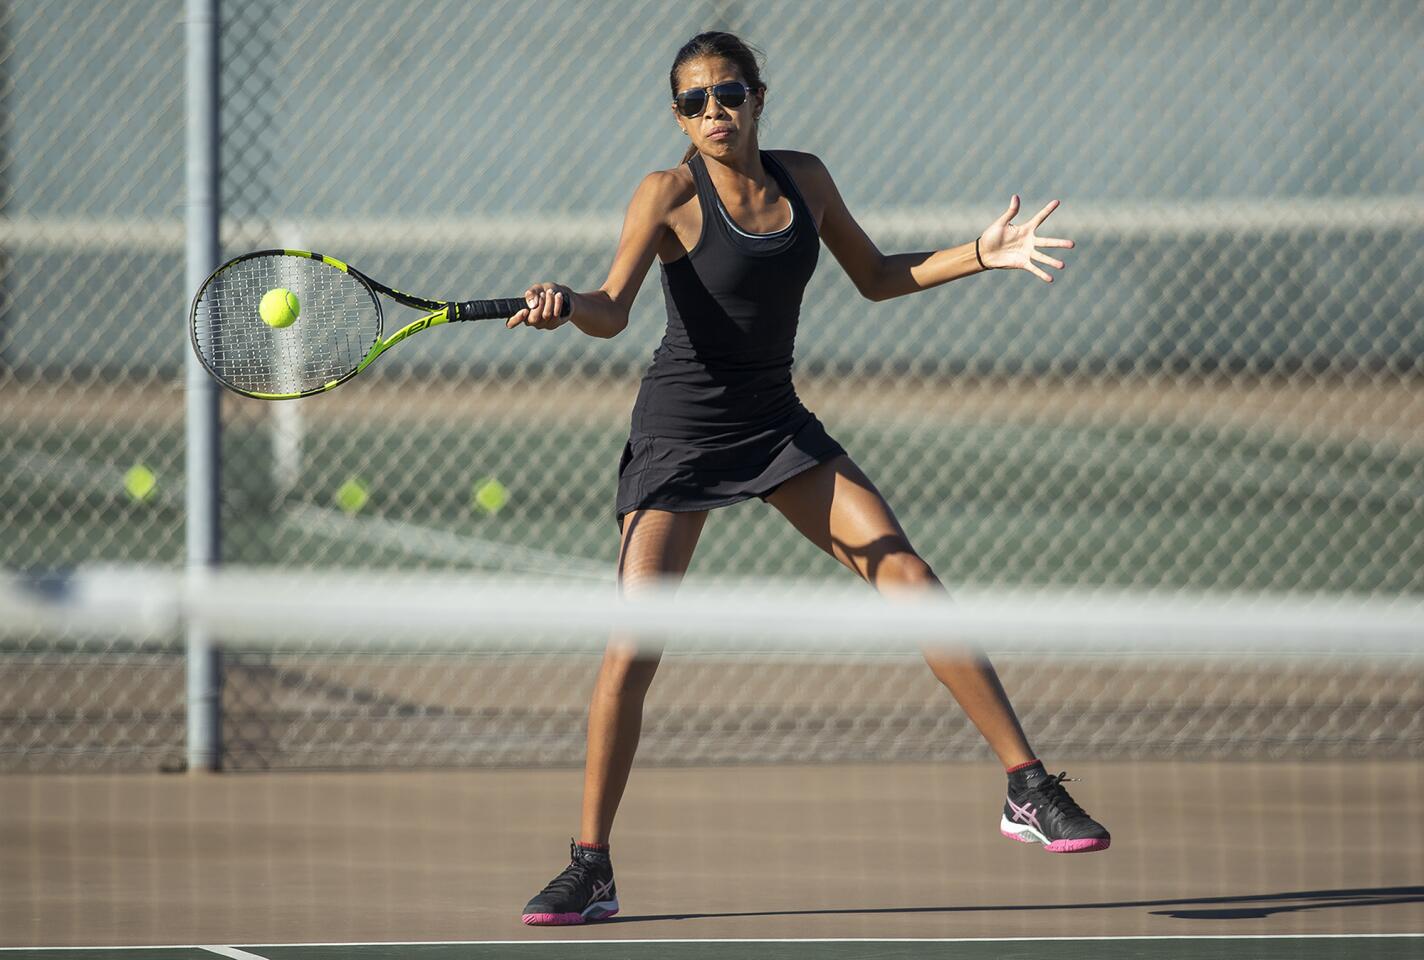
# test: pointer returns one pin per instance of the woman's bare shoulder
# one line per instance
(673, 186)
(811, 176)
(806, 169)
(798, 161)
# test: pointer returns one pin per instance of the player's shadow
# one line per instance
(1242, 907)
(1258, 907)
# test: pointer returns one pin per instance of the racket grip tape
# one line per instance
(493, 309)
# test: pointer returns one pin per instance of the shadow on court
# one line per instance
(1320, 848)
(1251, 906)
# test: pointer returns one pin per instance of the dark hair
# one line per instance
(728, 46)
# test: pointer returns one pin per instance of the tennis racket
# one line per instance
(337, 333)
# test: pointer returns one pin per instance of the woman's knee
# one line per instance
(630, 663)
(901, 569)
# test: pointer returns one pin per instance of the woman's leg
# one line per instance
(656, 545)
(837, 507)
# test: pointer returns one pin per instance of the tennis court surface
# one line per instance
(1196, 948)
(1223, 859)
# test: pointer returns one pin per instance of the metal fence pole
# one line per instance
(203, 400)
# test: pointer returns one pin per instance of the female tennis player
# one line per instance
(738, 232)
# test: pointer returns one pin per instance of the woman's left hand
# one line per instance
(1005, 246)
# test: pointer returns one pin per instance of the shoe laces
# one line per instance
(574, 877)
(1051, 794)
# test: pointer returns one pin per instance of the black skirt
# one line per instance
(683, 475)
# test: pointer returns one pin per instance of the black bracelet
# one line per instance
(976, 255)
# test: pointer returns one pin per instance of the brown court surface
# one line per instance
(1348, 408)
(873, 850)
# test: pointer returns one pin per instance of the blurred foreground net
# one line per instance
(363, 670)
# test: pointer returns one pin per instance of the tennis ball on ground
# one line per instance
(490, 496)
(140, 482)
(351, 496)
(280, 307)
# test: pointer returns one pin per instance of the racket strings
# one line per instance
(337, 325)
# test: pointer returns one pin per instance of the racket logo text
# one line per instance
(409, 329)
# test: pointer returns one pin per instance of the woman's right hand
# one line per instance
(546, 301)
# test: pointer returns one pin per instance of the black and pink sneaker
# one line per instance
(583, 892)
(1039, 810)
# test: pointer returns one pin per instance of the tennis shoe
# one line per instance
(583, 892)
(1039, 810)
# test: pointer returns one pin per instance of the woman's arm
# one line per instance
(881, 277)
(604, 312)
(904, 273)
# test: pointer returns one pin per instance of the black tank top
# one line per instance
(733, 302)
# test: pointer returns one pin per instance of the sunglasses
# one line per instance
(692, 103)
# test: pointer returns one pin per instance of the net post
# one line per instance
(203, 401)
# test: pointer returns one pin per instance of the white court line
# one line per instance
(232, 952)
(535, 943)
(241, 955)
(77, 474)
(415, 539)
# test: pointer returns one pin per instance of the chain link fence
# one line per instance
(1224, 391)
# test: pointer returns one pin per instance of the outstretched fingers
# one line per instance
(1042, 215)
(1045, 258)
(1011, 246)
(1010, 213)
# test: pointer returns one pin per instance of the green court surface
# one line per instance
(1403, 947)
(1205, 508)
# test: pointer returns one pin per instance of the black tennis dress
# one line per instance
(717, 420)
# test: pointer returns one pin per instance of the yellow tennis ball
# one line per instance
(490, 496)
(280, 307)
(352, 495)
(140, 482)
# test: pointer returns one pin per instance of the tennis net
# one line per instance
(361, 669)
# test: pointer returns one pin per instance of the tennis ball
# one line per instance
(490, 496)
(351, 496)
(140, 482)
(280, 307)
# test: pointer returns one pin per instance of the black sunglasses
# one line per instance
(691, 103)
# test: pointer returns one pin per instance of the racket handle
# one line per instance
(493, 309)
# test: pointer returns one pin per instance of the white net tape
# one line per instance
(368, 668)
